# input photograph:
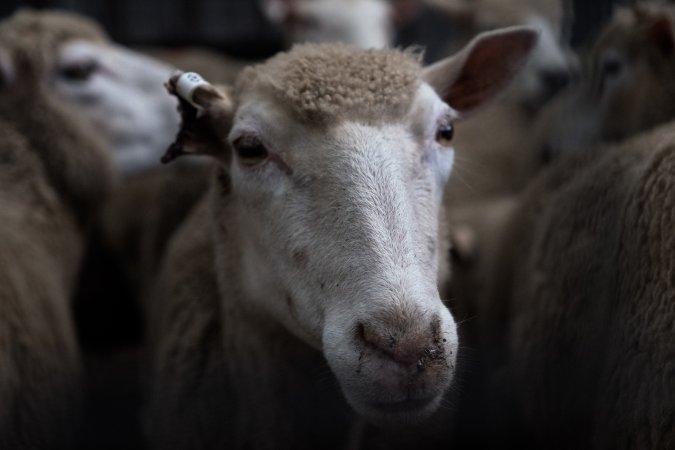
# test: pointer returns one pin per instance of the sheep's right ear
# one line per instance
(206, 118)
(487, 65)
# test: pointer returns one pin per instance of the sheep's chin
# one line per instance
(393, 414)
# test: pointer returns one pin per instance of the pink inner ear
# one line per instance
(490, 66)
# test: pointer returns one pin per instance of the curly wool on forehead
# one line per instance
(322, 83)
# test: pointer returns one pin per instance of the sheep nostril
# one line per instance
(404, 353)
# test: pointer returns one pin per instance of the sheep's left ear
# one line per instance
(475, 75)
(206, 118)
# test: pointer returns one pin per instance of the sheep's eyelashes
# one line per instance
(79, 71)
(250, 151)
(444, 134)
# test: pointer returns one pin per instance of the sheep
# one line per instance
(582, 119)
(627, 86)
(117, 91)
(54, 174)
(361, 23)
(586, 295)
(302, 290)
(119, 94)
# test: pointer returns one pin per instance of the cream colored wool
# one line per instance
(586, 298)
(53, 173)
(330, 82)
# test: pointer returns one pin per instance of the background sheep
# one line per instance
(246, 309)
(593, 255)
(361, 23)
(117, 92)
(627, 85)
(54, 174)
(118, 96)
(566, 402)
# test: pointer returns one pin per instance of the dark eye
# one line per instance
(444, 134)
(250, 150)
(611, 67)
(79, 71)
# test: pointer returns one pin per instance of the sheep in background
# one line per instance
(628, 86)
(361, 23)
(116, 91)
(315, 254)
(634, 46)
(54, 174)
(586, 299)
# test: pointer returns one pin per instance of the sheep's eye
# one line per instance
(79, 71)
(250, 150)
(612, 67)
(444, 134)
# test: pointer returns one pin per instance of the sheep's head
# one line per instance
(627, 85)
(117, 90)
(362, 23)
(552, 63)
(75, 159)
(333, 163)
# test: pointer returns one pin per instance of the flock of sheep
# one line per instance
(350, 250)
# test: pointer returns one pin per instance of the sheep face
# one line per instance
(335, 204)
(118, 91)
(626, 85)
(345, 219)
(121, 92)
(75, 158)
(362, 23)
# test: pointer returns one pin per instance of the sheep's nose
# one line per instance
(554, 80)
(406, 349)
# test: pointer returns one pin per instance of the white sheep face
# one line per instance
(362, 23)
(345, 222)
(336, 221)
(122, 93)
